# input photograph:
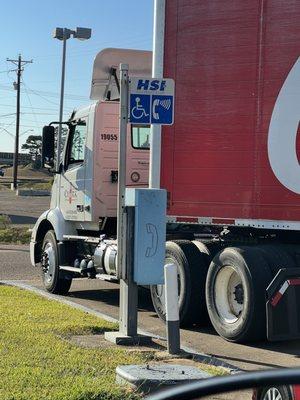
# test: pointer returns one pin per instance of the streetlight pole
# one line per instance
(64, 34)
(61, 106)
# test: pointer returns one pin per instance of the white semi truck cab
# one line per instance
(77, 235)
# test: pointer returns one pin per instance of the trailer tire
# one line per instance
(235, 293)
(192, 269)
(277, 257)
(203, 250)
(53, 279)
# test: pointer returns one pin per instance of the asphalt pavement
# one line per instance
(22, 209)
(104, 297)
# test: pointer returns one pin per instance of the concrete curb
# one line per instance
(200, 357)
(148, 378)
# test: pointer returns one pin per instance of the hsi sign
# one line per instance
(151, 101)
(154, 84)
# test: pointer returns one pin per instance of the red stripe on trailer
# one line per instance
(186, 219)
(280, 293)
(276, 299)
(295, 282)
(223, 221)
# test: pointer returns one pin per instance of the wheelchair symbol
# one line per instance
(138, 110)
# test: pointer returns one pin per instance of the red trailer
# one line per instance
(230, 163)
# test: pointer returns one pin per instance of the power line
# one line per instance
(33, 112)
(45, 93)
(7, 115)
(36, 108)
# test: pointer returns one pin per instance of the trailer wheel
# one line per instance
(277, 257)
(192, 269)
(235, 293)
(53, 279)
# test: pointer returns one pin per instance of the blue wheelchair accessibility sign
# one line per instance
(151, 101)
(140, 108)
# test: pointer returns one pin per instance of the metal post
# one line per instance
(121, 219)
(127, 333)
(128, 289)
(172, 312)
(61, 107)
(157, 72)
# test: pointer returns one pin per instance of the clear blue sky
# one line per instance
(26, 28)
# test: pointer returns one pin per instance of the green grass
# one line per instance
(12, 234)
(43, 185)
(38, 185)
(18, 235)
(4, 221)
(37, 362)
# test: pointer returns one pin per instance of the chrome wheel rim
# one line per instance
(272, 394)
(48, 262)
(229, 294)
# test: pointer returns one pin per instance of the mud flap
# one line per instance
(283, 305)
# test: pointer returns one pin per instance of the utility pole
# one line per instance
(19, 63)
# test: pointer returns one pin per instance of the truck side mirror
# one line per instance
(48, 146)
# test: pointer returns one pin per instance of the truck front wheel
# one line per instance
(192, 269)
(235, 293)
(53, 279)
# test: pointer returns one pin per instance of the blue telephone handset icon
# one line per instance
(154, 109)
(152, 231)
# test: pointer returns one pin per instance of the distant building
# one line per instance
(7, 158)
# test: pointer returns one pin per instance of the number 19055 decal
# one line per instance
(109, 136)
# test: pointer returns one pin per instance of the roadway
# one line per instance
(22, 209)
(104, 297)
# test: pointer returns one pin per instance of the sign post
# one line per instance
(121, 216)
(141, 212)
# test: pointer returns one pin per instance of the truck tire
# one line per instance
(192, 269)
(277, 257)
(53, 279)
(203, 250)
(235, 293)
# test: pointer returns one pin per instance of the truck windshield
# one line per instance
(140, 137)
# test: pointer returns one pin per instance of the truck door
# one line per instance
(138, 156)
(72, 187)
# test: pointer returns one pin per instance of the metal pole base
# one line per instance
(173, 335)
(121, 339)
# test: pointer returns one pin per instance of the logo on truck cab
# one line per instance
(70, 194)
